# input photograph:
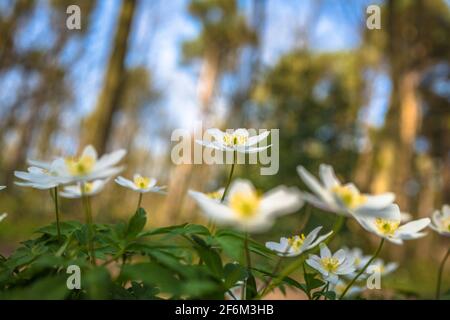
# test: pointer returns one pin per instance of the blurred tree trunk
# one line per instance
(181, 175)
(98, 125)
(395, 154)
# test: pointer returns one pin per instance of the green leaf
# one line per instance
(136, 223)
(250, 289)
(233, 273)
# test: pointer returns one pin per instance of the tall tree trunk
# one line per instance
(181, 175)
(97, 126)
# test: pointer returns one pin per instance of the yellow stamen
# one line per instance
(349, 196)
(245, 204)
(387, 227)
(88, 186)
(296, 242)
(80, 166)
(141, 182)
(234, 139)
(330, 264)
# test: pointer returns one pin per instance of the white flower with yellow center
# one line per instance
(86, 188)
(246, 209)
(381, 267)
(43, 178)
(441, 221)
(331, 266)
(391, 229)
(88, 167)
(140, 184)
(296, 245)
(331, 195)
(238, 140)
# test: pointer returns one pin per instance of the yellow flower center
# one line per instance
(330, 264)
(350, 197)
(234, 139)
(88, 186)
(446, 224)
(141, 182)
(296, 242)
(387, 227)
(245, 204)
(80, 166)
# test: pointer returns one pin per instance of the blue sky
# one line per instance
(161, 27)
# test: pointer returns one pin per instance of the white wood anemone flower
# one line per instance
(89, 188)
(331, 266)
(296, 245)
(440, 221)
(86, 167)
(391, 229)
(331, 195)
(41, 178)
(3, 216)
(140, 184)
(247, 210)
(239, 140)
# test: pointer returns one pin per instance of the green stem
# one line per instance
(229, 177)
(377, 252)
(441, 269)
(139, 201)
(88, 217)
(55, 199)
(249, 265)
(297, 263)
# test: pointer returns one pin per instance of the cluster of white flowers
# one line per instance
(86, 175)
(240, 205)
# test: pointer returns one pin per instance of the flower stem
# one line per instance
(88, 217)
(249, 265)
(139, 201)
(229, 177)
(55, 199)
(377, 252)
(441, 269)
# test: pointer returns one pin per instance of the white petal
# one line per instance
(110, 159)
(3, 216)
(340, 255)
(280, 200)
(246, 149)
(324, 251)
(212, 208)
(391, 212)
(377, 202)
(255, 139)
(89, 151)
(413, 226)
(311, 236)
(328, 176)
(319, 240)
(314, 185)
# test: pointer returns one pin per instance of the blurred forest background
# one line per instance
(375, 104)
